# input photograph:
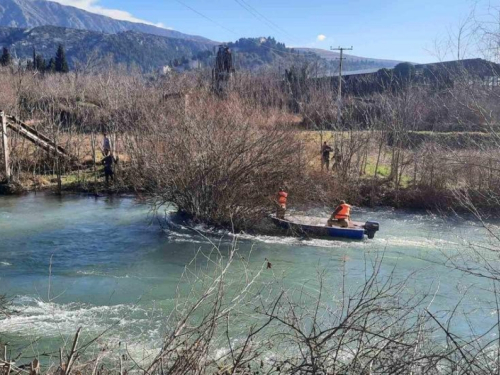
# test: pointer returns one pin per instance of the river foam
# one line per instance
(35, 317)
(428, 243)
(195, 235)
(203, 234)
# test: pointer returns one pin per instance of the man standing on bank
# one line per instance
(108, 162)
(325, 156)
(106, 144)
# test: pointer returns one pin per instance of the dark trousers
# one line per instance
(109, 174)
(325, 162)
(280, 212)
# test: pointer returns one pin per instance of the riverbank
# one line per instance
(365, 180)
(84, 181)
(366, 193)
(221, 159)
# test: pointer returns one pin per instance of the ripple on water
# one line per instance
(418, 242)
(96, 242)
(35, 317)
(186, 234)
(433, 243)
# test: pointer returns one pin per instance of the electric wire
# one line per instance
(229, 30)
(272, 24)
(257, 15)
(206, 17)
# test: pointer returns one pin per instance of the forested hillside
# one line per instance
(145, 51)
(152, 52)
(264, 53)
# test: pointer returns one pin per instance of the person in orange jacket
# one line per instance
(341, 215)
(281, 209)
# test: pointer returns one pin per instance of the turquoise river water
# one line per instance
(110, 263)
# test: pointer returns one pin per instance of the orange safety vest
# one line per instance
(282, 198)
(344, 213)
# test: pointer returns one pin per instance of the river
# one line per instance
(77, 261)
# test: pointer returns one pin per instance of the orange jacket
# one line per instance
(282, 197)
(344, 213)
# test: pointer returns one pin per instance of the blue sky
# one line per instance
(400, 30)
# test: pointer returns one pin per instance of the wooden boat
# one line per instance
(317, 227)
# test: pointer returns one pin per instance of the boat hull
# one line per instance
(357, 233)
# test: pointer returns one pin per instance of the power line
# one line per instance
(271, 22)
(206, 17)
(225, 28)
(255, 13)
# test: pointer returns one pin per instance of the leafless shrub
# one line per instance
(216, 163)
(162, 124)
(229, 319)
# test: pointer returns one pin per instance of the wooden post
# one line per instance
(7, 362)
(5, 143)
(321, 147)
(186, 106)
(35, 367)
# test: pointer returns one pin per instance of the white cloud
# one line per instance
(162, 25)
(94, 7)
(321, 37)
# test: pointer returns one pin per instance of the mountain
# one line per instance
(146, 51)
(350, 59)
(264, 53)
(151, 52)
(41, 24)
(34, 13)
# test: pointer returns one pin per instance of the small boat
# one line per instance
(317, 227)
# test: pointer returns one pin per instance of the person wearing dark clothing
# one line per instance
(108, 162)
(106, 144)
(325, 156)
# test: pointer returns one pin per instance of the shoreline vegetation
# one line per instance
(222, 158)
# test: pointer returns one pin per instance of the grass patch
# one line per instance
(82, 176)
(382, 170)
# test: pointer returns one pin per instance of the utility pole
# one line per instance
(339, 100)
(5, 145)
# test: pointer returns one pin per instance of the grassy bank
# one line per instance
(364, 180)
